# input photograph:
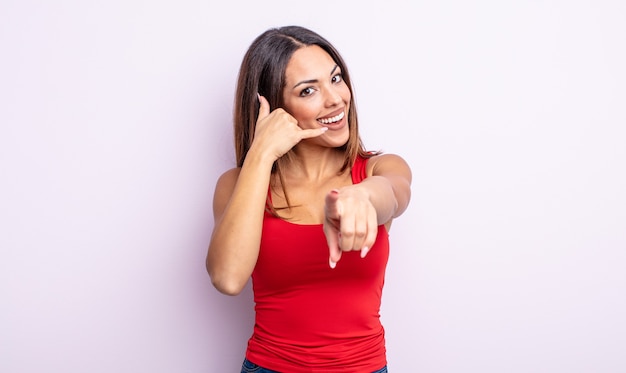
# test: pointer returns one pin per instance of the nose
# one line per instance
(333, 97)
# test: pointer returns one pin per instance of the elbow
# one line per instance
(402, 197)
(230, 288)
(225, 283)
(402, 205)
(230, 267)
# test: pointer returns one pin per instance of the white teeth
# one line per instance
(334, 119)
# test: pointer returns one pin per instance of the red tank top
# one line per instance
(309, 317)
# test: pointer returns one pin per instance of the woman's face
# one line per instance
(316, 95)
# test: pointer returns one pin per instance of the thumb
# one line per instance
(264, 107)
(332, 207)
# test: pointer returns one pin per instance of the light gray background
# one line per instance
(116, 121)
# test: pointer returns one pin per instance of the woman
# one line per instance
(306, 211)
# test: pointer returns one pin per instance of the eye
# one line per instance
(306, 92)
(337, 78)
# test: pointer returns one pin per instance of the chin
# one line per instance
(338, 141)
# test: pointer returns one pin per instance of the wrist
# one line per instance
(259, 158)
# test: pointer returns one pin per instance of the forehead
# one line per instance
(310, 62)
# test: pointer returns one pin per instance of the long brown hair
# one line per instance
(262, 71)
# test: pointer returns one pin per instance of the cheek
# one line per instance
(304, 114)
(346, 94)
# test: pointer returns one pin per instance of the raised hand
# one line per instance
(350, 222)
(277, 131)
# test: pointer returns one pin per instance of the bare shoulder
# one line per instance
(229, 177)
(388, 164)
(224, 189)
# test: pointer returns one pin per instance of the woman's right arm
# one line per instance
(240, 196)
(238, 208)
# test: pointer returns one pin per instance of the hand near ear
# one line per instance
(277, 131)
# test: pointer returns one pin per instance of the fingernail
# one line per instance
(324, 129)
(331, 263)
(364, 251)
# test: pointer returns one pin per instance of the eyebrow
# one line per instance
(315, 80)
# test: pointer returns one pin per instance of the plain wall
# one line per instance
(116, 122)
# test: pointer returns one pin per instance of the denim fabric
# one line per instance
(250, 367)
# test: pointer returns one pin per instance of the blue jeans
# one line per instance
(250, 367)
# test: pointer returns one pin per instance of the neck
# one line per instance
(314, 164)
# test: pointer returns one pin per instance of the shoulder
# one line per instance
(226, 182)
(386, 163)
(224, 190)
(229, 176)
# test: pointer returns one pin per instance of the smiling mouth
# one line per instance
(334, 119)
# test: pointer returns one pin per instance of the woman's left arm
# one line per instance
(389, 185)
(353, 213)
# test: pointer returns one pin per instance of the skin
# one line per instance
(350, 214)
